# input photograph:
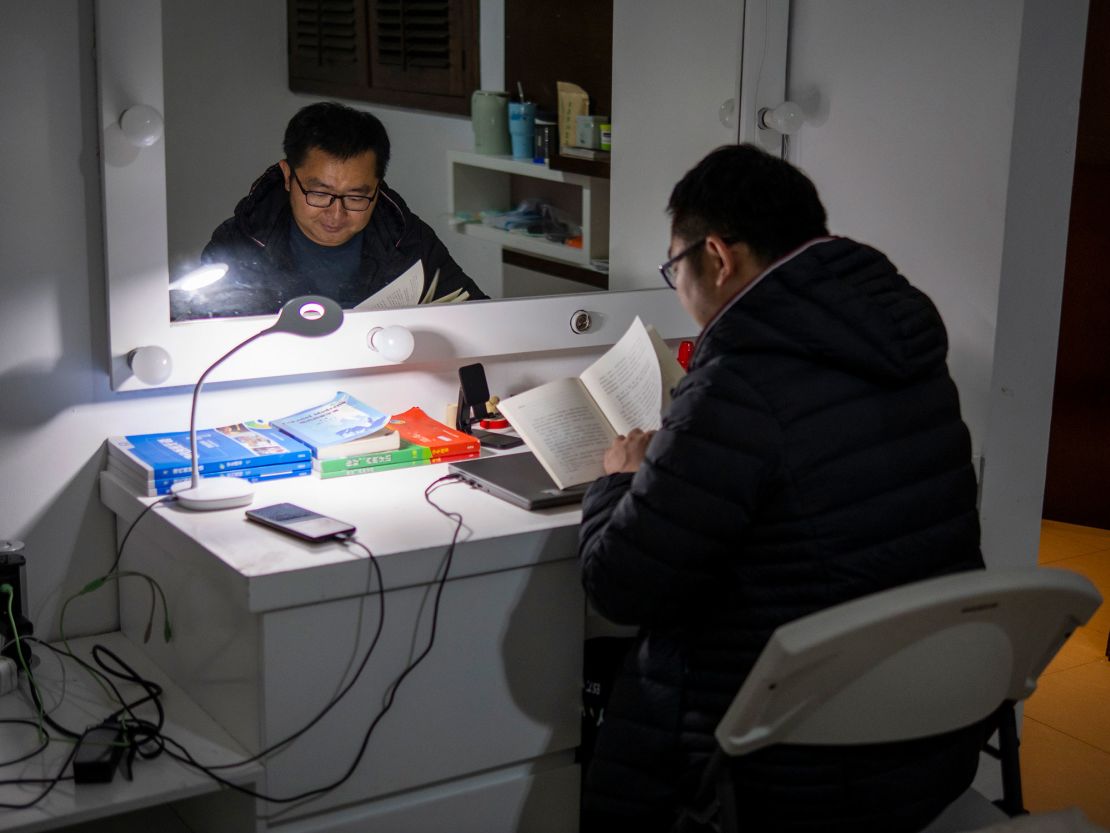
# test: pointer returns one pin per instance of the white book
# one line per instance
(404, 291)
(569, 423)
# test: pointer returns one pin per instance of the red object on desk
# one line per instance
(685, 351)
(494, 423)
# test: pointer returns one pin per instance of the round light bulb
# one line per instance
(151, 365)
(395, 342)
(787, 118)
(142, 125)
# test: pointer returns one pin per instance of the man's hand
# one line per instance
(626, 453)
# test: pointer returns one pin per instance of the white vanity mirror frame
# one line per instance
(129, 70)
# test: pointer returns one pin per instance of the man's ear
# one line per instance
(737, 260)
(723, 259)
(286, 171)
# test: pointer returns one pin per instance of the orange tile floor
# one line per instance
(1065, 750)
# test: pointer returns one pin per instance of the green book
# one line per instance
(407, 454)
(325, 475)
(423, 461)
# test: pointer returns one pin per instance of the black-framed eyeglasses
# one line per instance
(323, 199)
(667, 269)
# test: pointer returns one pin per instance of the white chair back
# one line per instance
(913, 661)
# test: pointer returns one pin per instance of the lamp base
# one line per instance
(214, 493)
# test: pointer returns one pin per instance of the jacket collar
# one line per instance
(731, 302)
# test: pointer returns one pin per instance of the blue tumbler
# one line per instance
(522, 121)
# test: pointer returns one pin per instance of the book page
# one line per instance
(404, 291)
(626, 382)
(564, 429)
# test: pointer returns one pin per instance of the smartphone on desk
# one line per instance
(299, 522)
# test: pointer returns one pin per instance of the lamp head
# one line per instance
(204, 275)
(309, 316)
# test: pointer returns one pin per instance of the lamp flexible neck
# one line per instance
(196, 393)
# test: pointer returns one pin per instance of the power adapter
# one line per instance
(98, 754)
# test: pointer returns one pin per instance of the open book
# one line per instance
(404, 291)
(570, 423)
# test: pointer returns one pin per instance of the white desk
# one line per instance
(156, 781)
(481, 735)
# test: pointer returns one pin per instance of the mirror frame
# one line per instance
(129, 71)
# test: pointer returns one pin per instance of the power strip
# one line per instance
(9, 675)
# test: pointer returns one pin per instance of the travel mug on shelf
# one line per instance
(488, 115)
(522, 121)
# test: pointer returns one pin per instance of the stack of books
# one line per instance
(152, 463)
(339, 428)
(421, 441)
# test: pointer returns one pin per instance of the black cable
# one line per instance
(343, 691)
(140, 732)
(185, 757)
(130, 529)
(50, 782)
(137, 730)
(45, 741)
(152, 689)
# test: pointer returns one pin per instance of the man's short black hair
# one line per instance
(743, 193)
(337, 130)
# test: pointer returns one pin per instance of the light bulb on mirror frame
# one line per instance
(151, 364)
(786, 119)
(394, 342)
(142, 125)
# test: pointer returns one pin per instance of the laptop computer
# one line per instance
(517, 478)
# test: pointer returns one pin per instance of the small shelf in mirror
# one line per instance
(479, 182)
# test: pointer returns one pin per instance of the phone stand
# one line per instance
(473, 395)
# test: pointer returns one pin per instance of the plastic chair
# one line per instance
(911, 662)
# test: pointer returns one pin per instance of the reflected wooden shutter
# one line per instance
(417, 45)
(327, 40)
(410, 53)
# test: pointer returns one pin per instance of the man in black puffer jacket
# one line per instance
(322, 221)
(814, 453)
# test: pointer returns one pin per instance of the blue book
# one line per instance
(253, 474)
(341, 427)
(151, 457)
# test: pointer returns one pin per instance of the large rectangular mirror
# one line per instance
(222, 143)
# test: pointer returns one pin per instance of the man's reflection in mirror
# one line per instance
(321, 221)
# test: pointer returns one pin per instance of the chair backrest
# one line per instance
(913, 661)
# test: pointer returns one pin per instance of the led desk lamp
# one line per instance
(308, 315)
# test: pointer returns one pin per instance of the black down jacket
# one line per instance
(814, 453)
(255, 244)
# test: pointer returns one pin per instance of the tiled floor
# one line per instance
(1065, 751)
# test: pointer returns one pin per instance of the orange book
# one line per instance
(418, 428)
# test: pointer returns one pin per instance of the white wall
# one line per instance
(909, 144)
(943, 133)
(56, 407)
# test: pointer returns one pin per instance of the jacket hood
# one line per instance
(263, 214)
(840, 303)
